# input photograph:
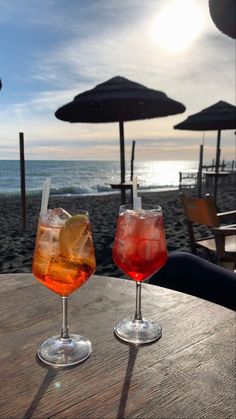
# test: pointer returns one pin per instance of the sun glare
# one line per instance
(178, 25)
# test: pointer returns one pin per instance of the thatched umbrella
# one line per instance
(220, 116)
(223, 14)
(119, 100)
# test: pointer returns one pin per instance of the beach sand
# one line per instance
(17, 244)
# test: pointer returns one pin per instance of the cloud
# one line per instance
(89, 42)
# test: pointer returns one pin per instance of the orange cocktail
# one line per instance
(63, 261)
(64, 254)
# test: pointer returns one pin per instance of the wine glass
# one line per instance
(63, 261)
(139, 251)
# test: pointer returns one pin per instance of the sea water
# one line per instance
(89, 177)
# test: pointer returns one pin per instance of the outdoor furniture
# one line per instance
(188, 180)
(220, 116)
(202, 212)
(222, 178)
(126, 186)
(188, 373)
(123, 187)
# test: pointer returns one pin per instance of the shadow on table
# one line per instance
(133, 351)
(48, 379)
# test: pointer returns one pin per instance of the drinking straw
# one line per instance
(45, 196)
(137, 204)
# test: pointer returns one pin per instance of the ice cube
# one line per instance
(66, 276)
(83, 248)
(158, 230)
(139, 225)
(56, 216)
(40, 264)
(149, 249)
(48, 240)
(62, 270)
(127, 224)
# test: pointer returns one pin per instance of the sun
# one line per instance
(178, 25)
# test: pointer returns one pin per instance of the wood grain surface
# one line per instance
(188, 373)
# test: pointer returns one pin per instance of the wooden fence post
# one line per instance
(22, 179)
(199, 176)
(132, 168)
(132, 161)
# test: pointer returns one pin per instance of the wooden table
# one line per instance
(188, 373)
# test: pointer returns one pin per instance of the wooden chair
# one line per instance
(222, 238)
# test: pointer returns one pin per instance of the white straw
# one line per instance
(45, 196)
(137, 204)
(135, 185)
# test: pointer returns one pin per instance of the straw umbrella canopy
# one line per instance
(220, 116)
(118, 100)
(223, 14)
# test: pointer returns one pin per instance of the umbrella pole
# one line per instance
(122, 161)
(199, 175)
(217, 164)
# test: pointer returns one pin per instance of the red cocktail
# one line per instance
(139, 251)
(140, 248)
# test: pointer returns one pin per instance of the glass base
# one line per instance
(138, 331)
(61, 352)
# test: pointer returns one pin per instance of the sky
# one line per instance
(52, 50)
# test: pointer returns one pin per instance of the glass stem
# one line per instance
(64, 330)
(138, 314)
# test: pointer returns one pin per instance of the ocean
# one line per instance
(89, 177)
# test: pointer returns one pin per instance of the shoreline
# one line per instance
(17, 244)
(38, 193)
